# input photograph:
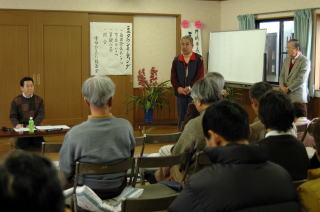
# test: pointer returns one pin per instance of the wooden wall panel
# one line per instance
(15, 35)
(123, 91)
(62, 74)
(166, 116)
(64, 56)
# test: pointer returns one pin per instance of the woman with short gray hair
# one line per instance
(204, 93)
(218, 78)
(192, 112)
(102, 139)
(98, 90)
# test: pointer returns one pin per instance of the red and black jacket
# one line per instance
(178, 71)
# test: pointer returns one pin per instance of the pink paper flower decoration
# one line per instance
(198, 24)
(184, 24)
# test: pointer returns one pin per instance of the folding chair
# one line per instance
(140, 140)
(154, 139)
(305, 132)
(90, 168)
(50, 147)
(158, 191)
(156, 162)
(301, 128)
(202, 160)
(147, 205)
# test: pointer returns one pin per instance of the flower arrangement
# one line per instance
(152, 92)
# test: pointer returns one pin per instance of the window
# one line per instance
(279, 32)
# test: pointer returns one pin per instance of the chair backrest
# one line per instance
(301, 128)
(50, 147)
(140, 140)
(307, 128)
(147, 205)
(162, 138)
(202, 160)
(156, 162)
(90, 168)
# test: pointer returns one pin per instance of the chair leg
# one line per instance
(75, 205)
(142, 176)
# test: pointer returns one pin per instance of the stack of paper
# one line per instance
(22, 129)
(53, 127)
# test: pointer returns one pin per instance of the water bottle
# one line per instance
(31, 125)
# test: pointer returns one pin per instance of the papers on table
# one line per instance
(48, 127)
(22, 129)
(53, 127)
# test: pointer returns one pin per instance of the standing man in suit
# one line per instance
(294, 73)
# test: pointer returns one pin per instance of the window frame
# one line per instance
(281, 25)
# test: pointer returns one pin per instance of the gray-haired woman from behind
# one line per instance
(205, 92)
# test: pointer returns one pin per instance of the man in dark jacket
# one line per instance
(277, 114)
(187, 68)
(240, 178)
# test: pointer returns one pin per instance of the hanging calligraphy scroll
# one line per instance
(111, 48)
(195, 32)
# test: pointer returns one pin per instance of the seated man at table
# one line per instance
(24, 106)
(103, 138)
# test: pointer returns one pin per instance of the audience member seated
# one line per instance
(300, 118)
(29, 182)
(276, 113)
(314, 131)
(240, 177)
(103, 138)
(204, 93)
(257, 129)
(309, 191)
(192, 111)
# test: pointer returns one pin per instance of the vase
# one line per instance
(148, 115)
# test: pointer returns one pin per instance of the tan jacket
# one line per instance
(309, 192)
(191, 140)
(257, 131)
(297, 79)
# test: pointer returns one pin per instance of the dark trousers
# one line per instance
(182, 105)
(27, 142)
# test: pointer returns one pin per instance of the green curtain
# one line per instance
(247, 22)
(303, 32)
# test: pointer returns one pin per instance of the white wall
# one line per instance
(232, 8)
(156, 37)
(206, 11)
